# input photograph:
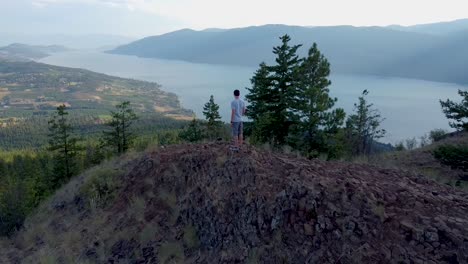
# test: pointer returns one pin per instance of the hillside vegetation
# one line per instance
(353, 50)
(423, 161)
(203, 204)
(30, 92)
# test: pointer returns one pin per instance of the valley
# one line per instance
(30, 92)
(410, 106)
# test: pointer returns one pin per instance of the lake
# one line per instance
(410, 107)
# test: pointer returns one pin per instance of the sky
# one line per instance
(138, 18)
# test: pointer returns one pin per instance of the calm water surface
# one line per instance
(410, 107)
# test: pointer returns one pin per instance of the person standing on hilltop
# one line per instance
(237, 111)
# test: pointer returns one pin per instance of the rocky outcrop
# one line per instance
(204, 204)
(263, 207)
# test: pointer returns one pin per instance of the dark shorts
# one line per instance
(237, 128)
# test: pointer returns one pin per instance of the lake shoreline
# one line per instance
(410, 106)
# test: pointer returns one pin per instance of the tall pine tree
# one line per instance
(272, 92)
(313, 105)
(284, 81)
(259, 93)
(64, 146)
(120, 136)
(290, 102)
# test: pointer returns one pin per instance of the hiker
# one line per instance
(238, 110)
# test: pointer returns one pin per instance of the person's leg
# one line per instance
(241, 134)
(235, 133)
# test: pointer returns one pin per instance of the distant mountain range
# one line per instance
(442, 28)
(436, 52)
(23, 52)
(89, 41)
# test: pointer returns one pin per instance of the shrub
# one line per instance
(171, 252)
(437, 134)
(190, 237)
(453, 156)
(411, 143)
(424, 141)
(101, 186)
(400, 146)
(193, 132)
(13, 208)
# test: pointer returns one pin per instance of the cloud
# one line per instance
(129, 4)
(149, 17)
(237, 13)
(78, 17)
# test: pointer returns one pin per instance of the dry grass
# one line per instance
(379, 210)
(148, 233)
(180, 117)
(50, 232)
(100, 186)
(171, 252)
(421, 161)
(221, 160)
(254, 256)
(3, 94)
(163, 109)
(170, 199)
(137, 208)
(190, 237)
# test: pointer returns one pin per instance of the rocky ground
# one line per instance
(204, 204)
(422, 160)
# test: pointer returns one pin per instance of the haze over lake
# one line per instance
(410, 107)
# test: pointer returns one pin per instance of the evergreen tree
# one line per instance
(284, 81)
(211, 112)
(313, 104)
(64, 145)
(193, 132)
(120, 136)
(259, 94)
(363, 127)
(290, 102)
(457, 111)
(273, 88)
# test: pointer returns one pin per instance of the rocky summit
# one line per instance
(205, 204)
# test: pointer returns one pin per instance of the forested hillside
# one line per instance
(30, 92)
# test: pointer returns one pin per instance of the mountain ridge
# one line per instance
(24, 52)
(350, 50)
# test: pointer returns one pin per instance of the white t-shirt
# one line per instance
(238, 106)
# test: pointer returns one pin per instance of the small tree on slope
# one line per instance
(457, 111)
(211, 112)
(363, 127)
(193, 132)
(120, 136)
